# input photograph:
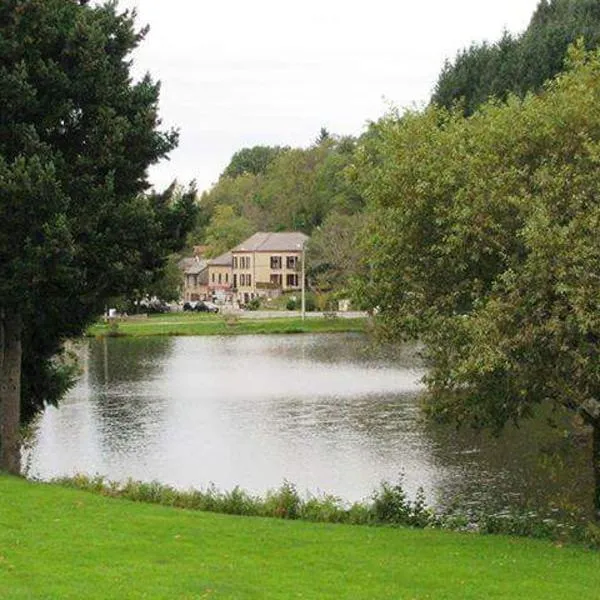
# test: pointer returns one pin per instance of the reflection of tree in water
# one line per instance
(349, 348)
(121, 376)
(534, 466)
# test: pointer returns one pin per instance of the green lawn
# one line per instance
(63, 543)
(204, 324)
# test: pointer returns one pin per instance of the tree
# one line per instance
(289, 195)
(518, 64)
(333, 253)
(253, 161)
(226, 230)
(484, 246)
(76, 139)
(323, 136)
(174, 214)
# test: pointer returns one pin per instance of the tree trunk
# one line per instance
(10, 392)
(596, 466)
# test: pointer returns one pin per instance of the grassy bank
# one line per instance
(63, 543)
(204, 324)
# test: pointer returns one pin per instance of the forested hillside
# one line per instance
(315, 189)
(521, 63)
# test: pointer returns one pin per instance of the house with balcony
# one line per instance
(267, 264)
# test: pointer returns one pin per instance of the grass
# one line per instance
(203, 324)
(59, 543)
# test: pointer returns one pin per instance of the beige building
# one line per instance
(195, 279)
(267, 264)
(220, 277)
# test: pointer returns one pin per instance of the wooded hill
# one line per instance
(315, 189)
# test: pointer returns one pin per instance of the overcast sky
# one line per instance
(239, 73)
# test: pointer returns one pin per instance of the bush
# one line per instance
(310, 304)
(254, 304)
(392, 506)
(284, 503)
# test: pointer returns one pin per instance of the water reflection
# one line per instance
(121, 376)
(331, 413)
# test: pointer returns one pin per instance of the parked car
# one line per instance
(200, 306)
(154, 306)
(210, 307)
(207, 307)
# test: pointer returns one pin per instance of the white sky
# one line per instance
(238, 73)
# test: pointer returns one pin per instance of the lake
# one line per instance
(331, 413)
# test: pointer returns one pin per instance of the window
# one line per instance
(248, 279)
(226, 277)
(276, 279)
(220, 278)
(242, 279)
(235, 262)
(235, 280)
(292, 280)
(275, 262)
(291, 262)
(213, 277)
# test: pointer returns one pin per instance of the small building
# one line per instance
(195, 278)
(267, 264)
(220, 278)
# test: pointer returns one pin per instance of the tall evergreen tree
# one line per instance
(76, 138)
(519, 64)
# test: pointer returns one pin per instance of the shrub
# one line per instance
(392, 506)
(284, 503)
(254, 304)
(310, 304)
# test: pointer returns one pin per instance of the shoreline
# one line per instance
(249, 323)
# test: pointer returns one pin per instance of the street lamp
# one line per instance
(302, 285)
(303, 295)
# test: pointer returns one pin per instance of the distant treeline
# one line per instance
(315, 189)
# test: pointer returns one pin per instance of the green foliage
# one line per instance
(254, 304)
(295, 190)
(519, 64)
(333, 252)
(253, 161)
(226, 230)
(389, 506)
(284, 503)
(77, 136)
(392, 506)
(483, 244)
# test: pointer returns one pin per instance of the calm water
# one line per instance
(327, 412)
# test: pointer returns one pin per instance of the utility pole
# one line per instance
(303, 292)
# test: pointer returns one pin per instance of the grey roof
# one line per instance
(221, 261)
(192, 265)
(283, 241)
